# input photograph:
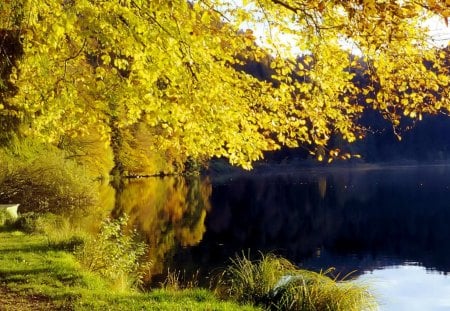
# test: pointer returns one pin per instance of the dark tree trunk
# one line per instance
(116, 141)
(10, 51)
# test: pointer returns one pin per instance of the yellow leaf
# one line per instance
(206, 18)
(106, 59)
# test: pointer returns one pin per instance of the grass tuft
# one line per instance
(178, 280)
(276, 284)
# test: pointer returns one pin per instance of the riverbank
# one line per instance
(38, 275)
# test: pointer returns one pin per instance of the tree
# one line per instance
(173, 66)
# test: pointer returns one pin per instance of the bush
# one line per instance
(115, 255)
(276, 284)
(42, 178)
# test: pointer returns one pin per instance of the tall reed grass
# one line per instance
(276, 284)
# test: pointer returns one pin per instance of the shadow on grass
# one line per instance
(68, 246)
(68, 278)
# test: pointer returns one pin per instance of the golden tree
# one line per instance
(174, 67)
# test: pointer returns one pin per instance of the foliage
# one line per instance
(41, 178)
(173, 66)
(140, 158)
(114, 254)
(276, 284)
(91, 152)
(10, 51)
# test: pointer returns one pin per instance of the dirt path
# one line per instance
(10, 301)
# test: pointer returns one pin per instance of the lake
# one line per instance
(388, 226)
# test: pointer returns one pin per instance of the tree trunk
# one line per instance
(116, 141)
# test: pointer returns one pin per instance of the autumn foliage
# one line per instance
(171, 69)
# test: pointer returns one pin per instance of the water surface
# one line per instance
(389, 225)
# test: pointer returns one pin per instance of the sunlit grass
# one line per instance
(275, 283)
(162, 299)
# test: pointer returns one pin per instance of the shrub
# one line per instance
(42, 178)
(276, 284)
(115, 254)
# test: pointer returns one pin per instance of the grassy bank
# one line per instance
(38, 275)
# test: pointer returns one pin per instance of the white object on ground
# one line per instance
(11, 209)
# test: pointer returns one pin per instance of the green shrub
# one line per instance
(276, 284)
(115, 254)
(25, 223)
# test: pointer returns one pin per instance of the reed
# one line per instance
(180, 280)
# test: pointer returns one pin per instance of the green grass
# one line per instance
(160, 299)
(33, 269)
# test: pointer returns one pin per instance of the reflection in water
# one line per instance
(351, 219)
(322, 183)
(348, 219)
(170, 212)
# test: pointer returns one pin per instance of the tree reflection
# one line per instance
(349, 219)
(170, 212)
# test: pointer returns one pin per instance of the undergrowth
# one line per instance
(112, 263)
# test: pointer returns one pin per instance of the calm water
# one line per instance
(390, 226)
